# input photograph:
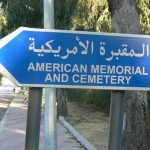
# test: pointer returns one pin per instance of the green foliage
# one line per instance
(64, 10)
(99, 98)
(3, 21)
(86, 15)
(144, 14)
(22, 13)
(92, 16)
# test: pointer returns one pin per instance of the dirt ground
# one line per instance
(91, 122)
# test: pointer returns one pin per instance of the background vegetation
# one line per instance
(86, 15)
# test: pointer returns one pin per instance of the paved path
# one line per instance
(13, 126)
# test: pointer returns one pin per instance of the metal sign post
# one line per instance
(33, 119)
(116, 120)
(50, 93)
(50, 119)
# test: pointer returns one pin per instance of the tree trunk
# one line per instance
(136, 134)
(62, 109)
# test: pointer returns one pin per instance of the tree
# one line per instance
(18, 13)
(136, 135)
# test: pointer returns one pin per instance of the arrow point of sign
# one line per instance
(11, 36)
(4, 41)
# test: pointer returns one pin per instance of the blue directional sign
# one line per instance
(70, 59)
